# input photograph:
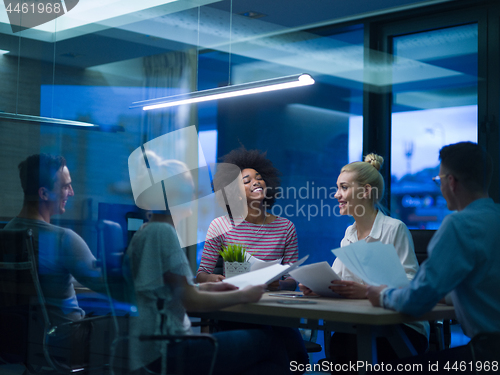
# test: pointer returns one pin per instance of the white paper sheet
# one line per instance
(374, 262)
(264, 275)
(257, 264)
(317, 277)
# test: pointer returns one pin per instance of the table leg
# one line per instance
(367, 348)
(400, 342)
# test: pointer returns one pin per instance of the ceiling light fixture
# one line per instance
(3, 52)
(253, 15)
(267, 85)
(43, 120)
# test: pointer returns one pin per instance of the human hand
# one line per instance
(306, 291)
(373, 294)
(213, 278)
(217, 287)
(275, 285)
(348, 289)
(252, 293)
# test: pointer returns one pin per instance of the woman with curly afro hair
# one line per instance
(266, 236)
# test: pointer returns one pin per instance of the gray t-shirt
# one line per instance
(154, 251)
(62, 254)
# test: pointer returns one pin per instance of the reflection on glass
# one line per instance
(434, 104)
(92, 64)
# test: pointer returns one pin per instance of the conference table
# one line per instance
(333, 314)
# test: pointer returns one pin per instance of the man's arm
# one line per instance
(79, 261)
(448, 264)
(81, 264)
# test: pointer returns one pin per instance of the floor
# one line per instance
(457, 339)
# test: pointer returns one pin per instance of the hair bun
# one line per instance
(375, 160)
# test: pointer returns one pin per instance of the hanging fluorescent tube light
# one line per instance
(43, 120)
(273, 84)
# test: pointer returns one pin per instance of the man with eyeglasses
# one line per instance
(464, 254)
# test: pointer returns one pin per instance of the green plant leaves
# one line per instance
(233, 253)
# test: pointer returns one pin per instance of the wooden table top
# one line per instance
(331, 309)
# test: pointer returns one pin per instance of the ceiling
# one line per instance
(98, 32)
(281, 37)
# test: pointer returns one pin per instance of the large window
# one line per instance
(435, 90)
(308, 133)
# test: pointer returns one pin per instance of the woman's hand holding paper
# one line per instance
(307, 292)
(349, 289)
(251, 293)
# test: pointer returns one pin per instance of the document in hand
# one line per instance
(374, 262)
(256, 263)
(317, 277)
(264, 275)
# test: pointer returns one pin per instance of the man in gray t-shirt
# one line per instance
(62, 254)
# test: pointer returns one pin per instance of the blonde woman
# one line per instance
(360, 189)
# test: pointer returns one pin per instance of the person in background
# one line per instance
(463, 254)
(264, 235)
(62, 254)
(163, 286)
(360, 187)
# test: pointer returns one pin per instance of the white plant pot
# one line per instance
(236, 268)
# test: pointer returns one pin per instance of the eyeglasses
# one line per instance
(437, 179)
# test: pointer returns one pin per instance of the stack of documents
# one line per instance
(374, 262)
(317, 277)
(264, 275)
(257, 264)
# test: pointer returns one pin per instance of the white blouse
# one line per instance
(388, 231)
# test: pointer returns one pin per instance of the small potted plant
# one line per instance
(234, 259)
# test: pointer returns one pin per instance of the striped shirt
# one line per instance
(267, 242)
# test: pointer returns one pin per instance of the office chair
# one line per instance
(16, 292)
(440, 332)
(24, 319)
(485, 350)
(421, 239)
(310, 336)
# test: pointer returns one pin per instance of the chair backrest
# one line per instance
(485, 349)
(110, 255)
(421, 239)
(111, 247)
(16, 283)
(19, 290)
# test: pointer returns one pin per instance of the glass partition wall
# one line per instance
(401, 84)
(92, 69)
